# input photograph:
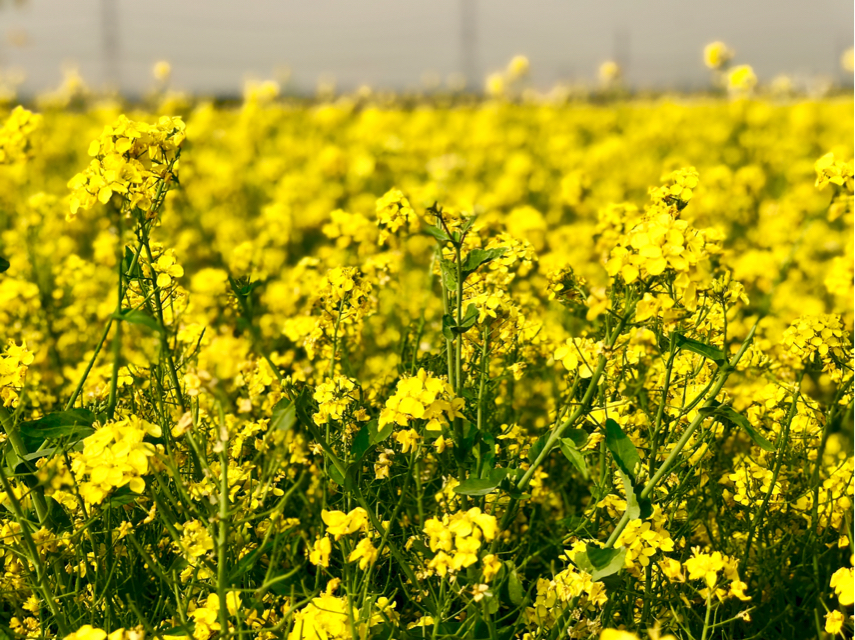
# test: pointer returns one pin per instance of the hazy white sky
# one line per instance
(214, 44)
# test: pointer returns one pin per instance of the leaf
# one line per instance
(378, 435)
(516, 593)
(729, 413)
(4, 264)
(468, 224)
(448, 326)
(701, 348)
(139, 317)
(636, 506)
(123, 496)
(537, 447)
(10, 457)
(481, 486)
(568, 448)
(76, 423)
(335, 475)
(578, 436)
(436, 232)
(478, 257)
(468, 319)
(449, 274)
(361, 443)
(608, 561)
(284, 415)
(623, 451)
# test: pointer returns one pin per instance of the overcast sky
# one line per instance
(214, 44)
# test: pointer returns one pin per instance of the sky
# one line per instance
(214, 45)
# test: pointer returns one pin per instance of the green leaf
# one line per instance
(604, 561)
(139, 317)
(481, 486)
(123, 496)
(437, 233)
(468, 224)
(516, 592)
(701, 348)
(449, 274)
(284, 415)
(4, 264)
(361, 443)
(448, 326)
(76, 423)
(568, 448)
(624, 452)
(10, 457)
(636, 506)
(378, 434)
(537, 447)
(478, 257)
(334, 474)
(468, 319)
(729, 413)
(578, 436)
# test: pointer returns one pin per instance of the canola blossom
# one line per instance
(521, 368)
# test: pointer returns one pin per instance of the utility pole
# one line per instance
(110, 43)
(468, 42)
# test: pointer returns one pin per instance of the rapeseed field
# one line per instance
(439, 367)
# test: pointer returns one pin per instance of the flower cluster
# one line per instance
(16, 135)
(334, 397)
(13, 369)
(456, 540)
(422, 397)
(715, 569)
(393, 214)
(132, 159)
(823, 336)
(643, 539)
(114, 456)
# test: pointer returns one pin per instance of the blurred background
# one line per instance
(214, 46)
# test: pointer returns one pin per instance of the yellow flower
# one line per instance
(609, 71)
(843, 583)
(393, 214)
(161, 70)
(834, 622)
(195, 539)
(408, 440)
(717, 54)
(518, 67)
(490, 566)
(341, 524)
(741, 79)
(617, 634)
(320, 553)
(364, 552)
(87, 632)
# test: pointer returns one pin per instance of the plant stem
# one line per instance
(723, 375)
(779, 459)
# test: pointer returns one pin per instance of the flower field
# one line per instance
(442, 368)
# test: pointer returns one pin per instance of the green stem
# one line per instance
(164, 342)
(780, 445)
(223, 533)
(723, 375)
(35, 559)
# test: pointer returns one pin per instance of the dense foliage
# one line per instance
(357, 370)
